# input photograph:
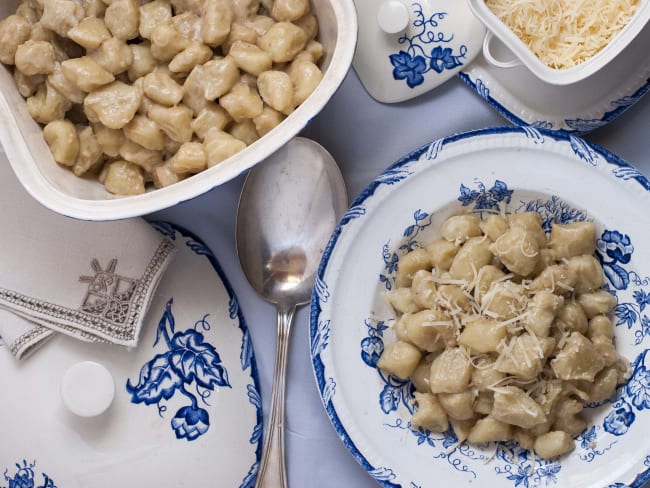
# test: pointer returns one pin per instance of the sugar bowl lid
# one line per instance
(408, 47)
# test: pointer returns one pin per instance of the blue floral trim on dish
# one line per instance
(614, 251)
(188, 360)
(319, 341)
(520, 465)
(484, 199)
(484, 92)
(396, 391)
(577, 126)
(247, 357)
(553, 210)
(422, 220)
(426, 50)
(371, 346)
(632, 397)
(588, 446)
(445, 446)
(524, 469)
(25, 477)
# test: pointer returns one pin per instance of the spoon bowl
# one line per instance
(289, 206)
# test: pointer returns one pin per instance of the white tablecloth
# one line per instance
(364, 136)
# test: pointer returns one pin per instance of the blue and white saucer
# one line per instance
(186, 411)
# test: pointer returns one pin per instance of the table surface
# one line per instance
(363, 141)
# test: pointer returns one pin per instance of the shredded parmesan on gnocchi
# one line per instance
(564, 33)
(492, 342)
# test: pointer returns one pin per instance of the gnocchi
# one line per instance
(504, 331)
(145, 93)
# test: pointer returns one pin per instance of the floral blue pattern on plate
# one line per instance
(480, 171)
(24, 476)
(194, 366)
(189, 360)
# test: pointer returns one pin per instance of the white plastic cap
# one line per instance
(393, 16)
(87, 389)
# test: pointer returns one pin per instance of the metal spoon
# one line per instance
(289, 206)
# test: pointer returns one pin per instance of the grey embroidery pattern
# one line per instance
(109, 294)
(23, 343)
(114, 320)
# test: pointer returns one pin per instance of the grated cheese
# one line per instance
(437, 323)
(507, 277)
(450, 281)
(492, 315)
(458, 325)
(564, 334)
(537, 345)
(514, 319)
(511, 380)
(523, 249)
(517, 358)
(564, 286)
(564, 33)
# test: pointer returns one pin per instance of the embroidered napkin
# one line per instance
(90, 280)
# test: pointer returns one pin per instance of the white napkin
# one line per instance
(90, 280)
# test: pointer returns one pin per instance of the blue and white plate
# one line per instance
(581, 107)
(187, 409)
(515, 169)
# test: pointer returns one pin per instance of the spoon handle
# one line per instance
(273, 473)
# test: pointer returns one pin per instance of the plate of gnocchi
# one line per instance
(480, 316)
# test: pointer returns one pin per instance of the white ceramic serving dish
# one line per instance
(61, 191)
(513, 169)
(524, 99)
(394, 67)
(523, 55)
(186, 411)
